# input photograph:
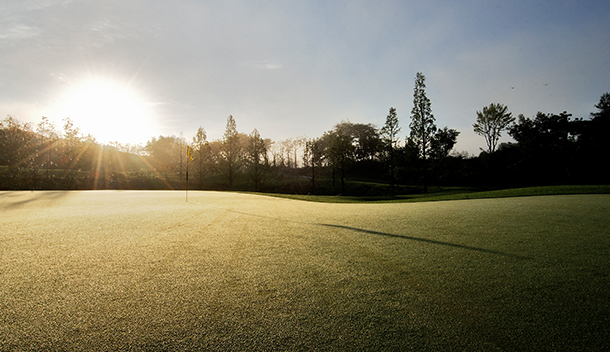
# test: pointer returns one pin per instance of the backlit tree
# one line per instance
(422, 125)
(494, 119)
(231, 149)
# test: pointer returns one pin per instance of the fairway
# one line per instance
(145, 270)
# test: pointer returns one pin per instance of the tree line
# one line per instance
(351, 158)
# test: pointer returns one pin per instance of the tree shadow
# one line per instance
(370, 232)
(38, 196)
(425, 240)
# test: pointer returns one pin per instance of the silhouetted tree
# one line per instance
(165, 153)
(422, 124)
(389, 136)
(365, 139)
(441, 145)
(545, 132)
(298, 144)
(442, 142)
(599, 127)
(312, 158)
(338, 152)
(278, 153)
(201, 155)
(71, 139)
(593, 146)
(603, 107)
(15, 140)
(257, 159)
(18, 150)
(181, 150)
(494, 119)
(231, 149)
(548, 144)
(49, 139)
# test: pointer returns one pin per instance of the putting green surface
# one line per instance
(139, 271)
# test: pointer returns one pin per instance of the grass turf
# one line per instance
(124, 270)
(456, 193)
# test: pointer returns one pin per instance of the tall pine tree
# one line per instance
(422, 124)
(389, 135)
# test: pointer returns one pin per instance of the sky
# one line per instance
(127, 71)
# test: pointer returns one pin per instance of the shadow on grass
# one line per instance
(36, 196)
(425, 240)
(355, 229)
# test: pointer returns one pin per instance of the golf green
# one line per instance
(144, 270)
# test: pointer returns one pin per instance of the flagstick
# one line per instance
(188, 152)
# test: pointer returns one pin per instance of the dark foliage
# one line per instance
(350, 159)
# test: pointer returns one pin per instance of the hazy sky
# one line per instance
(295, 68)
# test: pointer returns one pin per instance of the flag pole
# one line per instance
(188, 158)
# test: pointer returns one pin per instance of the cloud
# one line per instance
(273, 66)
(19, 32)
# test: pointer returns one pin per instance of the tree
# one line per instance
(422, 124)
(285, 152)
(365, 138)
(48, 143)
(278, 150)
(494, 119)
(15, 142)
(594, 145)
(389, 137)
(257, 158)
(546, 132)
(548, 144)
(442, 142)
(18, 150)
(202, 155)
(71, 141)
(598, 128)
(312, 157)
(165, 154)
(338, 151)
(231, 148)
(181, 149)
(422, 121)
(603, 108)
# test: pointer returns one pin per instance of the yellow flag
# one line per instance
(188, 152)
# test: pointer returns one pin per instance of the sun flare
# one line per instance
(109, 111)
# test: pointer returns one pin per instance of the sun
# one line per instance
(109, 111)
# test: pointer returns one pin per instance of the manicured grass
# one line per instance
(126, 270)
(455, 194)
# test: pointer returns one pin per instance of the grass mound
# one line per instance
(456, 194)
(147, 271)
